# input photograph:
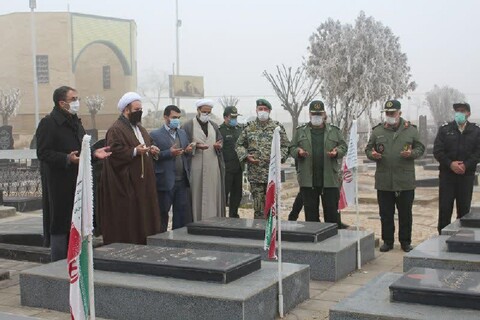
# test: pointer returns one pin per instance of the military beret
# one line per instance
(392, 105)
(231, 111)
(316, 106)
(263, 102)
(461, 105)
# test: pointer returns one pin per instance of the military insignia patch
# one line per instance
(389, 104)
(380, 148)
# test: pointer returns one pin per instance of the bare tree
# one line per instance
(361, 66)
(152, 86)
(294, 89)
(94, 104)
(230, 101)
(9, 103)
(440, 101)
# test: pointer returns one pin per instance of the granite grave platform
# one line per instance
(437, 287)
(22, 239)
(471, 220)
(466, 241)
(292, 231)
(373, 301)
(330, 260)
(134, 296)
(199, 265)
(433, 253)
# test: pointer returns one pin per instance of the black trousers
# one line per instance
(453, 187)
(233, 187)
(403, 200)
(296, 207)
(178, 198)
(311, 203)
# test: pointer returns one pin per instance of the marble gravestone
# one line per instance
(446, 288)
(189, 264)
(465, 240)
(471, 220)
(292, 231)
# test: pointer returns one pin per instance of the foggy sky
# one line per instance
(230, 43)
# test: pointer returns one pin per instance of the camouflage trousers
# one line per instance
(258, 191)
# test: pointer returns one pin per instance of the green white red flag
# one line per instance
(79, 258)
(271, 197)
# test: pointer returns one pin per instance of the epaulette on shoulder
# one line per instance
(407, 124)
(301, 126)
(332, 125)
(380, 124)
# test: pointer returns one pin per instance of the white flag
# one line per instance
(347, 192)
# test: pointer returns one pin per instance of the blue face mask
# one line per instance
(460, 117)
(174, 123)
(233, 122)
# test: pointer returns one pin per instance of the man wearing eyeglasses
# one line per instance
(59, 140)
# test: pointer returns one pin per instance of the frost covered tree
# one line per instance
(294, 88)
(440, 101)
(94, 104)
(360, 65)
(154, 83)
(228, 101)
(9, 103)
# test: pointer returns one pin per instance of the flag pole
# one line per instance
(90, 278)
(357, 213)
(279, 225)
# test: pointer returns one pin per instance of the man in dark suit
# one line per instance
(172, 169)
(59, 140)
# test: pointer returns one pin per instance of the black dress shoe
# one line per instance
(386, 247)
(407, 247)
(343, 226)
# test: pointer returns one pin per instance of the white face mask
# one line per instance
(390, 120)
(204, 117)
(317, 120)
(262, 115)
(74, 107)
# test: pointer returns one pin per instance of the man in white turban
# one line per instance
(128, 199)
(207, 168)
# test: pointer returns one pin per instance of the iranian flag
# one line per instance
(271, 198)
(79, 257)
(348, 190)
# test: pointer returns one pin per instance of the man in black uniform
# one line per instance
(457, 149)
(230, 130)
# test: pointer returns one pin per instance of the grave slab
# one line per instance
(372, 301)
(190, 264)
(466, 241)
(437, 287)
(293, 231)
(329, 260)
(133, 296)
(433, 253)
(471, 220)
(453, 228)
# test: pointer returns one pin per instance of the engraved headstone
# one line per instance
(293, 231)
(464, 240)
(190, 264)
(447, 288)
(472, 219)
(6, 138)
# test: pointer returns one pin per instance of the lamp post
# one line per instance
(33, 5)
(178, 25)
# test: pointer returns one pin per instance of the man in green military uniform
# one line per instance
(394, 145)
(253, 147)
(319, 148)
(230, 130)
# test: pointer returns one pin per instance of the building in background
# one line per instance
(94, 54)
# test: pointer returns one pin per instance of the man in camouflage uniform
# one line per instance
(394, 145)
(254, 146)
